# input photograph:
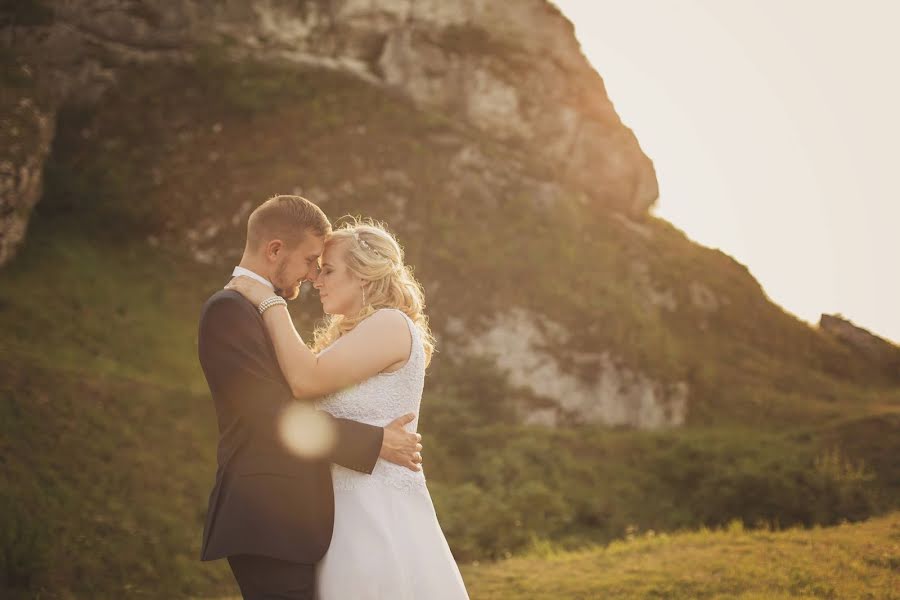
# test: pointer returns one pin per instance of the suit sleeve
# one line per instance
(358, 445)
(234, 358)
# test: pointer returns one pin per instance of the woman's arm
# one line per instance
(376, 343)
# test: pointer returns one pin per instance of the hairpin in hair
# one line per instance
(366, 245)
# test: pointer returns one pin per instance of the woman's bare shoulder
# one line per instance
(385, 319)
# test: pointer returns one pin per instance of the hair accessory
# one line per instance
(366, 245)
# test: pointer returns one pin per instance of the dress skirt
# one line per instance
(387, 543)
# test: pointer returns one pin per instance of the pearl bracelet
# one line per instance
(270, 302)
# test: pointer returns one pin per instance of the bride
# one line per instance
(369, 366)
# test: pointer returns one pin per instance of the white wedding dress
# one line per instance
(387, 542)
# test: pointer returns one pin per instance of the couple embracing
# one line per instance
(319, 490)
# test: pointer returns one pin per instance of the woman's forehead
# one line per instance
(333, 252)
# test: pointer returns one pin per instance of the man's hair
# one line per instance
(286, 218)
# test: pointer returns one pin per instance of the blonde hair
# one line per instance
(285, 217)
(374, 254)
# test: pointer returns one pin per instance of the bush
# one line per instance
(514, 484)
(477, 523)
(846, 489)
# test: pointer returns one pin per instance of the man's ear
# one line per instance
(273, 249)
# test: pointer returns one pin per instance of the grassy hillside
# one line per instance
(107, 440)
(107, 432)
(850, 561)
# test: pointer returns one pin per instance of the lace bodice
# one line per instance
(378, 401)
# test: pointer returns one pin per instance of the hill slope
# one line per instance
(484, 138)
(633, 323)
(107, 439)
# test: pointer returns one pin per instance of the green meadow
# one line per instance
(847, 561)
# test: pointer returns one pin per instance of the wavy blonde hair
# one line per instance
(374, 254)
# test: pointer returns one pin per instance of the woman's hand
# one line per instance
(250, 289)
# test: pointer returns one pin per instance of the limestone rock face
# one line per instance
(616, 395)
(513, 72)
(509, 76)
(25, 137)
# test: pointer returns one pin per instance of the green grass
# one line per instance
(106, 429)
(114, 313)
(849, 561)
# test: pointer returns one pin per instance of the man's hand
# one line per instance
(400, 446)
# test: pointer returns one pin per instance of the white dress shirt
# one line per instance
(248, 273)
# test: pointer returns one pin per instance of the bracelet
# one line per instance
(270, 302)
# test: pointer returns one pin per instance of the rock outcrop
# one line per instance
(25, 137)
(514, 73)
(616, 395)
(479, 132)
(874, 348)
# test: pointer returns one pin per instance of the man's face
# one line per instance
(296, 265)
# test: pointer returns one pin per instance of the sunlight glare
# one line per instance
(306, 431)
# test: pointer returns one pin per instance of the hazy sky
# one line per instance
(774, 127)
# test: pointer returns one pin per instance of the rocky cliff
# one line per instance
(478, 131)
(514, 73)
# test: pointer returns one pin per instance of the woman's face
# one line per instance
(340, 290)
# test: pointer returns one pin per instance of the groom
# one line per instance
(271, 511)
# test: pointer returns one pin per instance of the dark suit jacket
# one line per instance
(266, 500)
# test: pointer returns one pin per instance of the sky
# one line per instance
(774, 127)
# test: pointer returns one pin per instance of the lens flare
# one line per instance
(306, 431)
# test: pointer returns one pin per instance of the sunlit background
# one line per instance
(773, 127)
(614, 410)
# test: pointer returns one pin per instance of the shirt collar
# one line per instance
(248, 273)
